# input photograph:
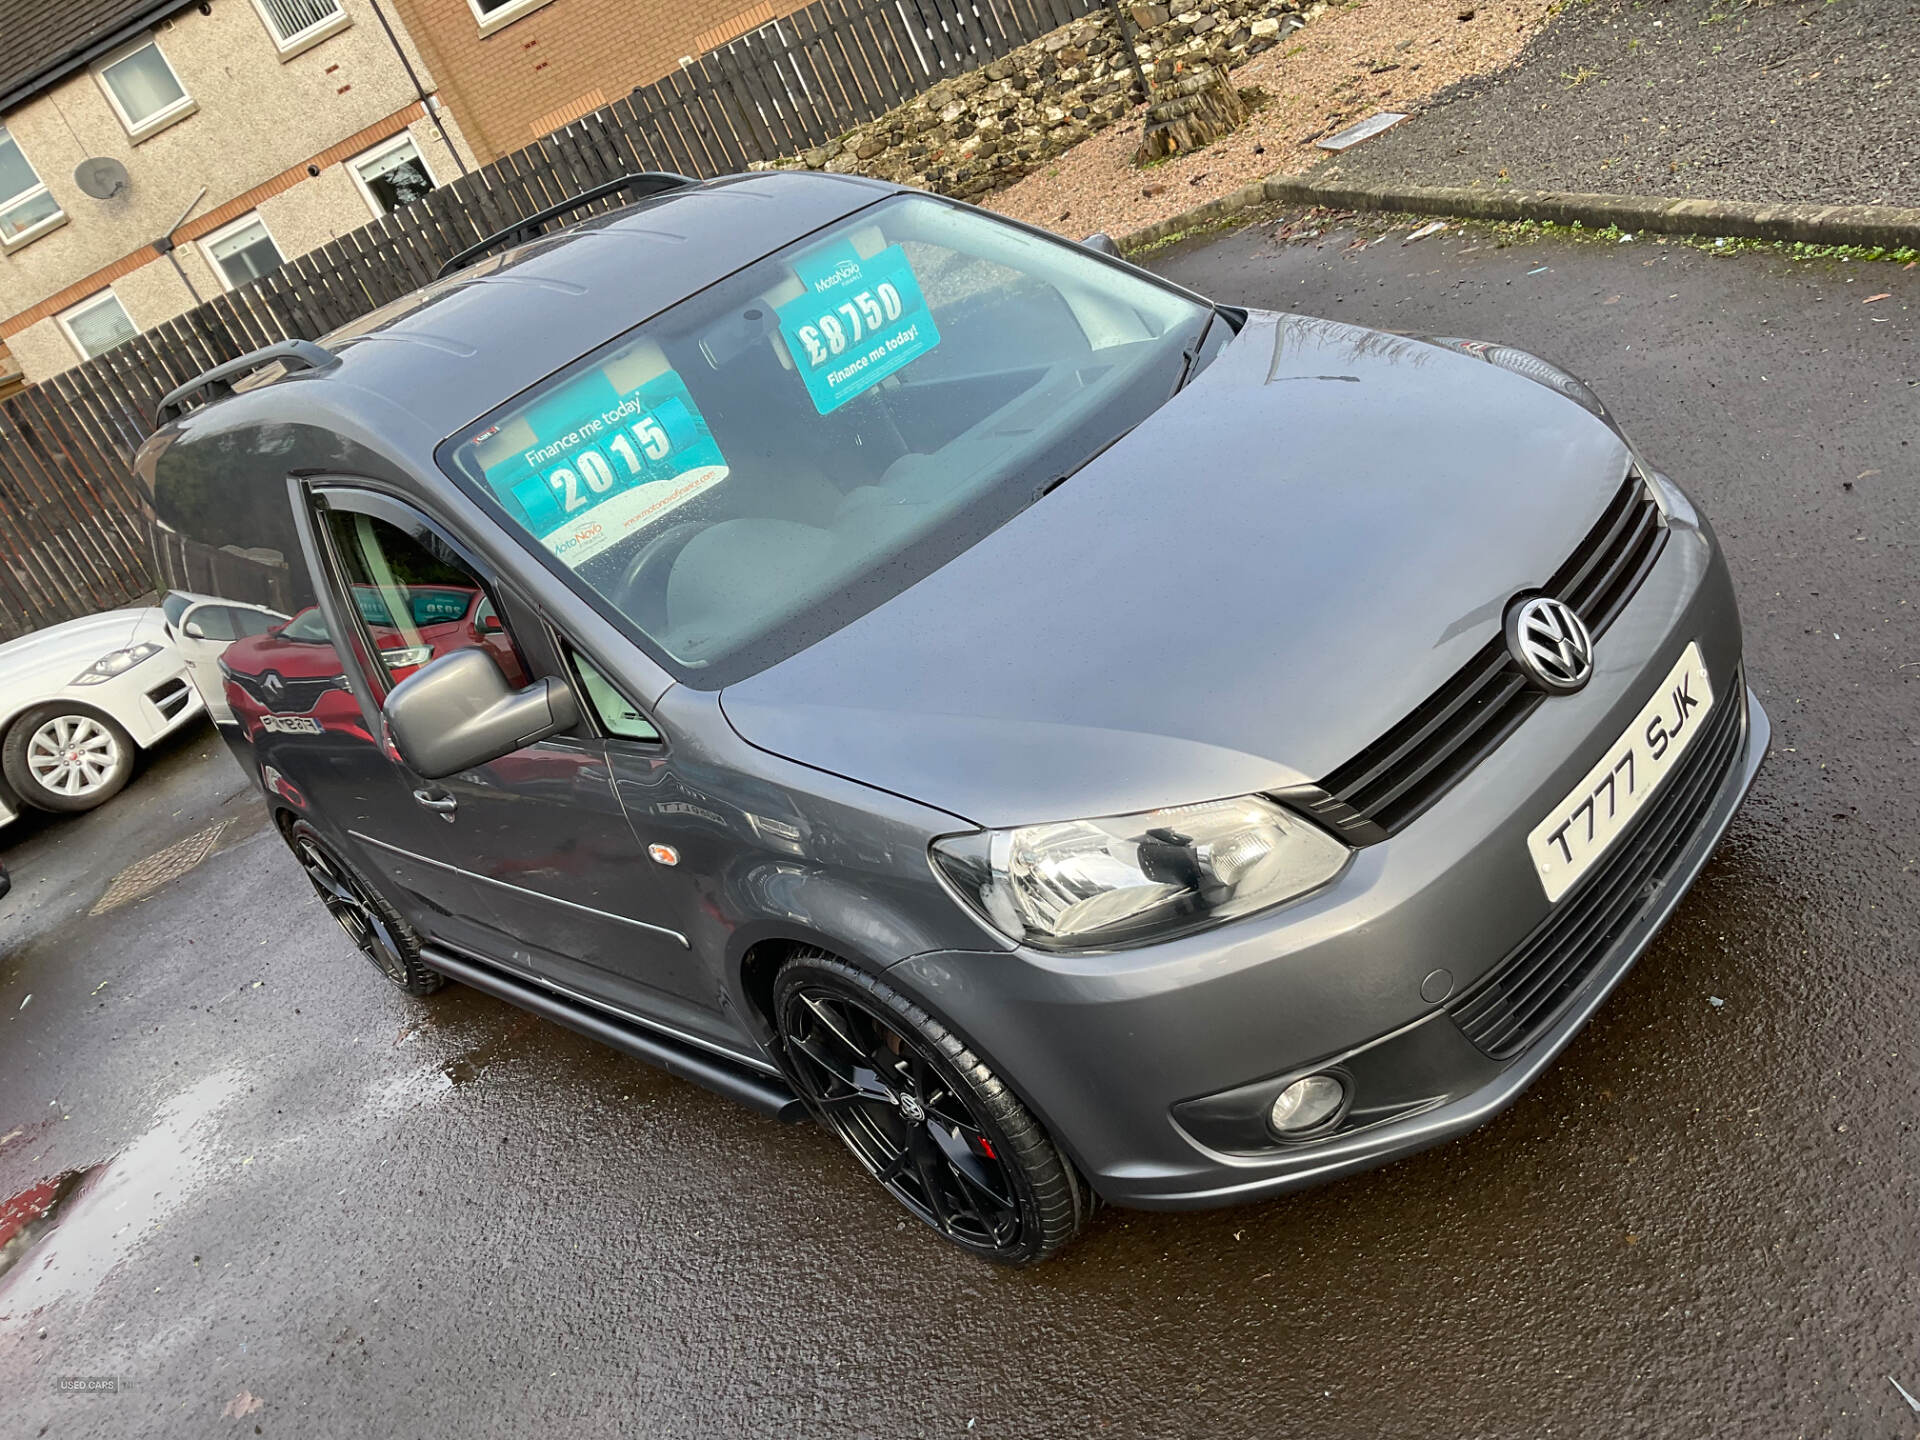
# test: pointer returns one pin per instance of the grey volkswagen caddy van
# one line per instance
(884, 662)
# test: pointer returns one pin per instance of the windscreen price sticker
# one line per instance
(859, 322)
(607, 464)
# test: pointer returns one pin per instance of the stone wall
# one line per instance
(985, 129)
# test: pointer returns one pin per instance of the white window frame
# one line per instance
(10, 243)
(378, 152)
(209, 240)
(160, 119)
(308, 38)
(504, 16)
(92, 302)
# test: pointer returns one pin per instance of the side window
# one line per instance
(617, 715)
(418, 600)
(215, 622)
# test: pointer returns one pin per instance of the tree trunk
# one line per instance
(1190, 113)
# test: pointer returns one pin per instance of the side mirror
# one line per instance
(194, 632)
(459, 712)
(1103, 243)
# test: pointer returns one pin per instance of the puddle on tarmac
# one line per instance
(461, 1071)
(434, 1080)
(467, 1066)
(504, 1043)
(33, 1212)
(408, 1090)
(68, 1233)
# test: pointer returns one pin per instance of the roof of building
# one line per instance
(48, 39)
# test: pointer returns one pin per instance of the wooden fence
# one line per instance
(72, 530)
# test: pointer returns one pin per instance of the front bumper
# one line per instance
(1106, 1047)
(152, 700)
(1434, 1046)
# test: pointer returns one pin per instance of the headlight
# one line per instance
(117, 663)
(1668, 496)
(407, 655)
(1128, 879)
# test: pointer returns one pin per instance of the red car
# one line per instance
(290, 680)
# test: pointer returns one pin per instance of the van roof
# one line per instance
(461, 346)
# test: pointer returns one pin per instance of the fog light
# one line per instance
(1306, 1104)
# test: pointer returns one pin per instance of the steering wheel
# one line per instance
(644, 581)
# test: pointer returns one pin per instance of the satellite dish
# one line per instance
(102, 177)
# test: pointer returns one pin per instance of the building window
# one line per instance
(242, 251)
(26, 209)
(145, 92)
(297, 24)
(495, 14)
(95, 326)
(392, 175)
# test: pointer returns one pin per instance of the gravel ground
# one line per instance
(1763, 100)
(1353, 60)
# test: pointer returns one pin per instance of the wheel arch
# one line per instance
(758, 954)
(871, 926)
(15, 711)
(758, 961)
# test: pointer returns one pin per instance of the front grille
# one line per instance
(1387, 785)
(284, 696)
(171, 698)
(1525, 993)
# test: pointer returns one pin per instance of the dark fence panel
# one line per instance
(73, 533)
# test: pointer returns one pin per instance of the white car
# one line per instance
(203, 626)
(77, 700)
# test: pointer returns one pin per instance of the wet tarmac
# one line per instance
(259, 1190)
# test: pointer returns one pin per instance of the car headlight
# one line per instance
(405, 655)
(1668, 496)
(116, 663)
(1129, 879)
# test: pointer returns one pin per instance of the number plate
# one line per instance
(1584, 826)
(290, 724)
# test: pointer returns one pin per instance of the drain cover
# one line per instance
(143, 877)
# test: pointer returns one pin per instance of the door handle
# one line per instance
(441, 803)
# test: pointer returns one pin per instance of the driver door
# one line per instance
(533, 849)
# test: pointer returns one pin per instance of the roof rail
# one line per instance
(633, 187)
(294, 354)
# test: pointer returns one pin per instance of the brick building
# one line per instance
(217, 138)
(513, 70)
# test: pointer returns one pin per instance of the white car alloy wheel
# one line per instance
(74, 756)
(66, 758)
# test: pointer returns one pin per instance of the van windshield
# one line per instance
(786, 450)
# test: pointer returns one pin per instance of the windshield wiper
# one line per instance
(1192, 352)
(1187, 357)
(1065, 475)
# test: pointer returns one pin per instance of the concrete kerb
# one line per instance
(1886, 226)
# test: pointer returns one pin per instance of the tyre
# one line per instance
(66, 758)
(924, 1115)
(374, 926)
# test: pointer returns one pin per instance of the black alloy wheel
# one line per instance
(923, 1115)
(373, 925)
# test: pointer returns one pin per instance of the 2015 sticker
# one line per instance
(606, 463)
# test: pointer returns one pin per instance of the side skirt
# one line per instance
(764, 1093)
